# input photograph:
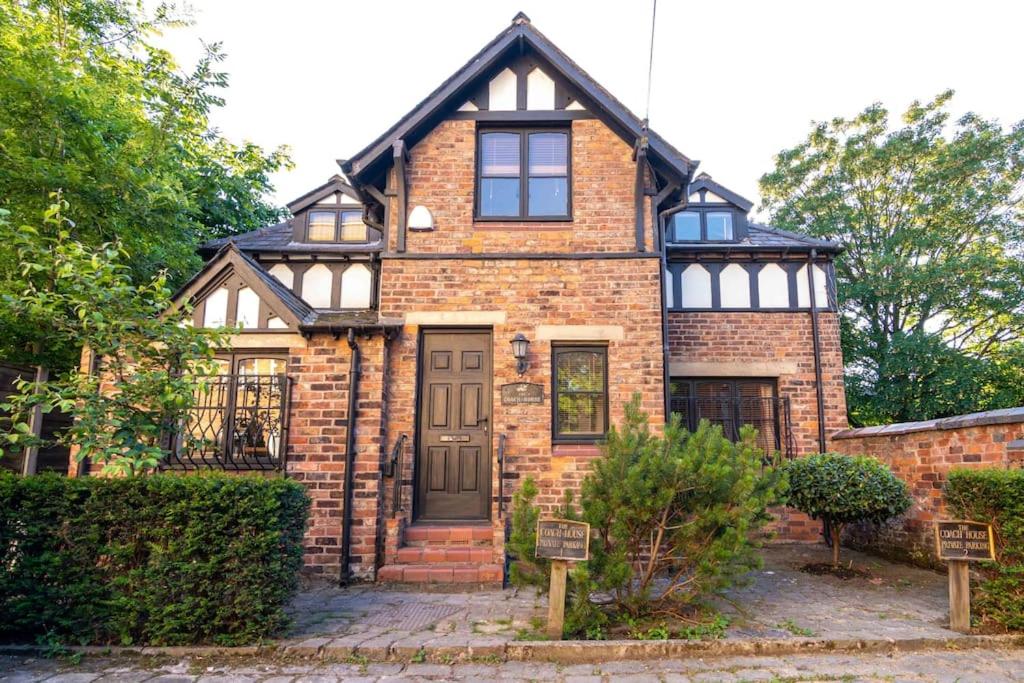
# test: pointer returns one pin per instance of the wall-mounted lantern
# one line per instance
(520, 345)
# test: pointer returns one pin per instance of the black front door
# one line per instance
(453, 460)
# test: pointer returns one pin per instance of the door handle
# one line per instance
(485, 420)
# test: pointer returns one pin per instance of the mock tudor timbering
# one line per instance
(393, 292)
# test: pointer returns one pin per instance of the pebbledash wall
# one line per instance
(922, 454)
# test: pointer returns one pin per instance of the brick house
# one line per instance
(476, 298)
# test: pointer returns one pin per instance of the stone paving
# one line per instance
(895, 601)
(982, 666)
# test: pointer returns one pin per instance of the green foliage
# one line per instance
(672, 517)
(526, 570)
(71, 296)
(161, 560)
(996, 497)
(931, 283)
(842, 489)
(89, 106)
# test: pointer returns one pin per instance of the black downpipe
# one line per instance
(355, 369)
(661, 244)
(817, 350)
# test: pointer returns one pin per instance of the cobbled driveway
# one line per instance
(894, 602)
(983, 666)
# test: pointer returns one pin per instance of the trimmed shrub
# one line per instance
(996, 497)
(162, 560)
(843, 489)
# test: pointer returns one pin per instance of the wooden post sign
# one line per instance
(561, 541)
(959, 542)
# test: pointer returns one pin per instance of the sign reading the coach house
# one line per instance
(961, 540)
(561, 539)
(521, 392)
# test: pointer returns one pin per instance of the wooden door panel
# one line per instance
(453, 462)
(437, 468)
(469, 468)
(439, 409)
(472, 399)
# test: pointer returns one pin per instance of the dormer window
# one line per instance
(719, 226)
(523, 174)
(335, 226)
(696, 225)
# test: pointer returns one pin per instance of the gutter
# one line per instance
(820, 390)
(354, 371)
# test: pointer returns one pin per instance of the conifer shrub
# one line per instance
(164, 559)
(844, 489)
(673, 520)
(996, 497)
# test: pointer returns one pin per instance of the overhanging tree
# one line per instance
(931, 282)
(91, 108)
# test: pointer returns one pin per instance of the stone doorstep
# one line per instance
(562, 652)
(443, 554)
(464, 535)
(442, 572)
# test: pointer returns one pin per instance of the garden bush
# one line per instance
(163, 560)
(843, 489)
(673, 520)
(996, 497)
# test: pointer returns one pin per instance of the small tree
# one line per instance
(840, 489)
(673, 516)
(153, 365)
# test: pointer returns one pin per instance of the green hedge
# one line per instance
(997, 497)
(162, 560)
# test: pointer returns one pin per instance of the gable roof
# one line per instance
(335, 184)
(455, 89)
(278, 238)
(290, 308)
(704, 182)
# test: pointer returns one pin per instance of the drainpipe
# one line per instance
(354, 370)
(817, 350)
(660, 243)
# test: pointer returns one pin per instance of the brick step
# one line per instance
(434, 554)
(421, 536)
(442, 572)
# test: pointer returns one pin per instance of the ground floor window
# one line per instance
(580, 393)
(733, 403)
(240, 417)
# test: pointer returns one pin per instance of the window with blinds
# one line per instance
(523, 175)
(580, 393)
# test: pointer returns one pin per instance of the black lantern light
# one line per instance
(520, 345)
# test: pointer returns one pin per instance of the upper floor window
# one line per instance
(701, 226)
(523, 174)
(335, 226)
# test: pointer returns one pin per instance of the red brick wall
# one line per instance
(922, 454)
(743, 337)
(622, 293)
(441, 177)
(316, 449)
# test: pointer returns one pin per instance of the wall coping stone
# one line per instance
(988, 417)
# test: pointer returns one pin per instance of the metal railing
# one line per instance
(393, 469)
(239, 422)
(501, 474)
(769, 415)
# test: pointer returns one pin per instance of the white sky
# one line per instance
(734, 81)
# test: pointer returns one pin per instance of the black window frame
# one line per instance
(692, 417)
(338, 224)
(703, 211)
(524, 174)
(576, 347)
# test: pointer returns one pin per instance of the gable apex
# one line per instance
(336, 184)
(453, 93)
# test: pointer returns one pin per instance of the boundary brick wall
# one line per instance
(922, 454)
